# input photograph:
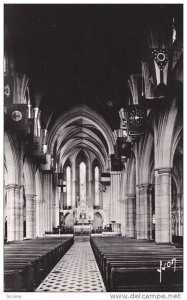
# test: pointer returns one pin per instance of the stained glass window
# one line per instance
(68, 185)
(96, 186)
(82, 181)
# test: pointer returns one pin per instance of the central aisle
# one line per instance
(77, 271)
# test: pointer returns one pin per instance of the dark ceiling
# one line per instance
(81, 53)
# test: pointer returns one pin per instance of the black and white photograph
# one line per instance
(93, 148)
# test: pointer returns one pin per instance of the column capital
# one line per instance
(115, 172)
(143, 185)
(131, 196)
(30, 196)
(164, 170)
(148, 186)
(39, 201)
(47, 175)
(13, 186)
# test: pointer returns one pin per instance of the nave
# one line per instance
(93, 146)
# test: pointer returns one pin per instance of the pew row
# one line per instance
(130, 265)
(28, 262)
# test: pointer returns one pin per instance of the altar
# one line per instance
(83, 219)
(82, 229)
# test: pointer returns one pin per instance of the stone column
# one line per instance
(11, 236)
(101, 200)
(106, 205)
(91, 200)
(143, 211)
(150, 212)
(131, 211)
(50, 200)
(30, 215)
(56, 209)
(53, 206)
(19, 196)
(163, 228)
(44, 223)
(61, 200)
(14, 213)
(123, 200)
(138, 229)
(42, 217)
(34, 216)
(180, 210)
(5, 213)
(39, 218)
(74, 184)
(122, 216)
(115, 196)
(17, 212)
(45, 198)
(118, 204)
(48, 196)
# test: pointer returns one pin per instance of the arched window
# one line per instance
(82, 181)
(4, 65)
(68, 185)
(96, 177)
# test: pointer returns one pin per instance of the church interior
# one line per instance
(93, 147)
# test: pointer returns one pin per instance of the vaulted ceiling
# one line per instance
(81, 129)
(81, 54)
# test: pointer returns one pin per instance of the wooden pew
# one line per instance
(131, 265)
(27, 262)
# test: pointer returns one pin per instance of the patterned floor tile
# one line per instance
(77, 271)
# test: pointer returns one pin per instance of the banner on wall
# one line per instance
(136, 120)
(8, 91)
(58, 179)
(105, 179)
(102, 188)
(123, 123)
(17, 115)
(64, 187)
(116, 163)
(123, 148)
(155, 69)
(47, 168)
(17, 121)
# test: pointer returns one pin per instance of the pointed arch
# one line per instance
(97, 221)
(164, 133)
(82, 112)
(67, 171)
(69, 220)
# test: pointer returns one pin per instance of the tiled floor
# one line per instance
(77, 271)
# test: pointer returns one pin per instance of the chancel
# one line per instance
(93, 148)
